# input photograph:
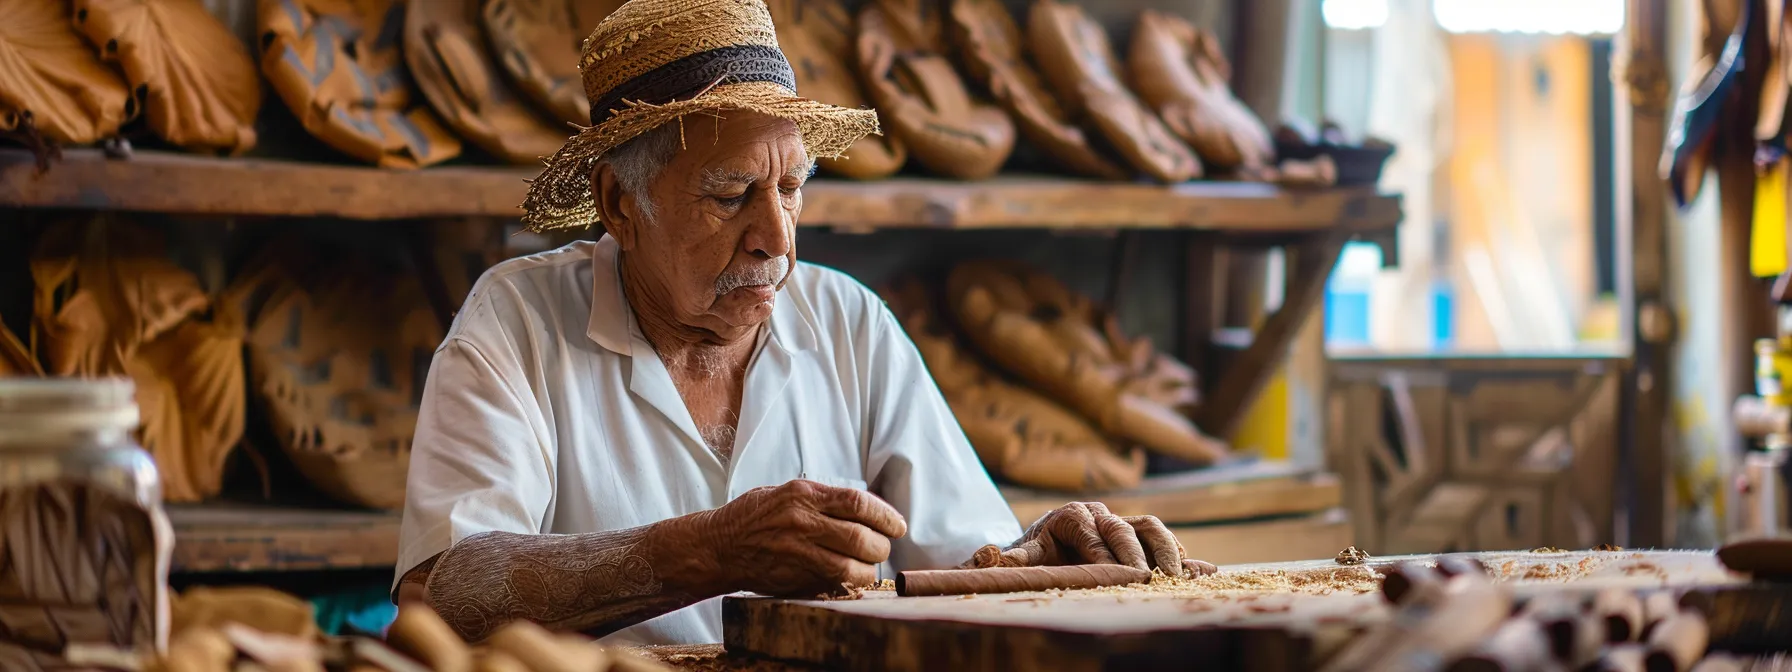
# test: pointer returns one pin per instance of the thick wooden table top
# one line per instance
(1278, 610)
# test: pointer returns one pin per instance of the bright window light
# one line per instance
(1354, 14)
(1555, 17)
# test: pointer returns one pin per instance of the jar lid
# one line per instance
(62, 404)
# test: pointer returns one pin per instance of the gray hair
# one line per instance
(640, 160)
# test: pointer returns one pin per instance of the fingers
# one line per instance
(1198, 568)
(1120, 538)
(851, 540)
(1031, 553)
(1160, 542)
(860, 507)
(1073, 526)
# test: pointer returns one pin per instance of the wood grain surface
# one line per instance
(183, 184)
(1226, 629)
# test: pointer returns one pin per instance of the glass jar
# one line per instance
(87, 540)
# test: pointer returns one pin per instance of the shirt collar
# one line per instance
(612, 324)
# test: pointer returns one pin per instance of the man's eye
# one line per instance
(734, 201)
(789, 190)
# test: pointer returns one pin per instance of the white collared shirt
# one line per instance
(547, 411)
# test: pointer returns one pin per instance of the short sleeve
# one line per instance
(481, 459)
(921, 462)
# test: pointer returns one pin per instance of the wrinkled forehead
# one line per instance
(740, 139)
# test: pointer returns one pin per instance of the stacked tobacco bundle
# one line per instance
(256, 629)
(1456, 614)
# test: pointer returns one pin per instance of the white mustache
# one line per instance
(768, 273)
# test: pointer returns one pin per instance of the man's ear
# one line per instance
(615, 206)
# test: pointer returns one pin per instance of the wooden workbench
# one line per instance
(1114, 629)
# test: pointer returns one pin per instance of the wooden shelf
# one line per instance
(1220, 494)
(184, 184)
(242, 538)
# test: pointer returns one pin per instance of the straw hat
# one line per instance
(654, 61)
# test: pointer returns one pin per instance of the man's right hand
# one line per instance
(801, 538)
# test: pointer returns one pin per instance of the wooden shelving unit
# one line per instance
(1312, 225)
(181, 184)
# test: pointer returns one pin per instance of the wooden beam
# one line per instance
(1203, 299)
(1245, 375)
(182, 184)
(1647, 387)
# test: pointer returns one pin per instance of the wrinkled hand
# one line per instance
(1081, 533)
(800, 539)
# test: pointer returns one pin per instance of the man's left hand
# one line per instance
(1082, 533)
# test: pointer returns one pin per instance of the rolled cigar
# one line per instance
(1433, 625)
(1399, 581)
(1574, 636)
(1657, 607)
(1677, 643)
(1719, 662)
(1015, 579)
(1626, 657)
(1519, 645)
(541, 651)
(1622, 613)
(1765, 559)
(419, 633)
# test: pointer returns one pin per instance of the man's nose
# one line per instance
(770, 226)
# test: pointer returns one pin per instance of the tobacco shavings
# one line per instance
(1643, 568)
(1547, 549)
(886, 584)
(1607, 548)
(852, 593)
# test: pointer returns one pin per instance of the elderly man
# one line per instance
(615, 434)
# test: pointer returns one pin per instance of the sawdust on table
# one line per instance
(1340, 580)
(1349, 580)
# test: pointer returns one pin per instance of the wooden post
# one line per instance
(1645, 394)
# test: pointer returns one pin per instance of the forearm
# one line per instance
(593, 583)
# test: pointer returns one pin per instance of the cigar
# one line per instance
(1765, 559)
(1574, 636)
(421, 634)
(1677, 643)
(1399, 581)
(1657, 607)
(1518, 646)
(1626, 657)
(1622, 613)
(541, 651)
(1432, 626)
(1015, 579)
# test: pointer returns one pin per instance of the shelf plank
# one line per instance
(1219, 494)
(241, 538)
(194, 185)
